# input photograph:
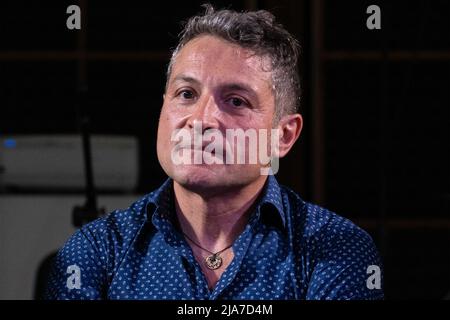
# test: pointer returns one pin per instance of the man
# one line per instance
(220, 228)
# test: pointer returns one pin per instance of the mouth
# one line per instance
(200, 150)
(197, 155)
(189, 147)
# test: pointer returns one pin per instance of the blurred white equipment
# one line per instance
(56, 161)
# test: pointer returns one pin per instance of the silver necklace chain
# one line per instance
(214, 261)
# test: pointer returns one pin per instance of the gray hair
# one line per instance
(261, 34)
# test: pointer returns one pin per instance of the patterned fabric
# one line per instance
(290, 249)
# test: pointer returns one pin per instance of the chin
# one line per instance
(198, 175)
(212, 178)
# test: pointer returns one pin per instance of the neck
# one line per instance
(215, 221)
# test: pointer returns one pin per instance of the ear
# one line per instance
(290, 127)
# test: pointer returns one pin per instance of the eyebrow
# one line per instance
(234, 86)
(237, 86)
(185, 78)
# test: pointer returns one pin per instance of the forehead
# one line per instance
(209, 58)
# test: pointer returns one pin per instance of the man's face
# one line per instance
(214, 85)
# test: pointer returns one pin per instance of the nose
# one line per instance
(205, 112)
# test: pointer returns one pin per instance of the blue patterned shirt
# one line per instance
(290, 249)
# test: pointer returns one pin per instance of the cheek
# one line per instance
(254, 120)
(171, 116)
(163, 126)
(169, 122)
(166, 119)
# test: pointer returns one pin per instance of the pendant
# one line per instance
(213, 261)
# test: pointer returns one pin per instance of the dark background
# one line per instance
(376, 106)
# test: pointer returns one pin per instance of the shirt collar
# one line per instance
(161, 198)
(270, 204)
(269, 208)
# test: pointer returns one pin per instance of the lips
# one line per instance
(192, 147)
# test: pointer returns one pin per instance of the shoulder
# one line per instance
(107, 238)
(332, 229)
(121, 223)
(87, 261)
(314, 222)
(342, 259)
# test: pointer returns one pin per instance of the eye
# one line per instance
(186, 94)
(237, 102)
